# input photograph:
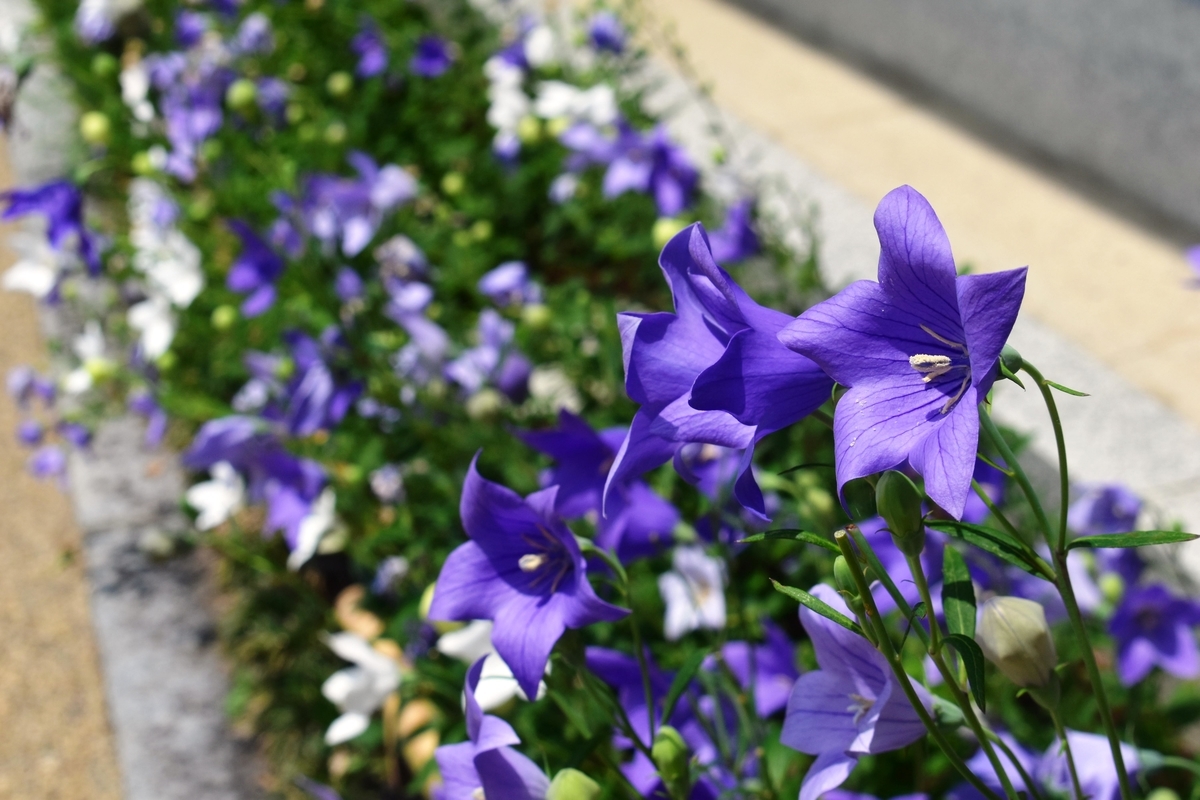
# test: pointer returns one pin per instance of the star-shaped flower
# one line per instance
(919, 351)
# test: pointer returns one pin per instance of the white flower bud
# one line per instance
(1014, 636)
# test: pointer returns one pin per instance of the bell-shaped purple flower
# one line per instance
(639, 522)
(432, 57)
(918, 350)
(767, 669)
(1093, 758)
(1153, 627)
(486, 765)
(254, 36)
(651, 163)
(190, 27)
(606, 32)
(1108, 509)
(849, 707)
(523, 570)
(255, 270)
(61, 203)
(735, 239)
(371, 49)
(510, 285)
(30, 432)
(712, 372)
(495, 360)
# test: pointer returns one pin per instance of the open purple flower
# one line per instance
(736, 239)
(712, 372)
(769, 669)
(523, 570)
(848, 708)
(495, 360)
(486, 765)
(1154, 627)
(1093, 758)
(1107, 509)
(510, 285)
(918, 350)
(606, 32)
(371, 49)
(61, 203)
(652, 164)
(254, 36)
(432, 57)
(255, 270)
(638, 523)
(190, 27)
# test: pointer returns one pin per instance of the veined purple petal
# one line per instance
(989, 305)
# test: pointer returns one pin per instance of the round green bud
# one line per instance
(166, 361)
(105, 65)
(241, 95)
(211, 149)
(571, 784)
(142, 164)
(453, 183)
(558, 126)
(223, 317)
(1011, 359)
(95, 128)
(843, 577)
(294, 113)
(898, 501)
(482, 230)
(335, 133)
(529, 130)
(664, 228)
(1112, 586)
(536, 315)
(1014, 636)
(671, 757)
(339, 84)
(1162, 793)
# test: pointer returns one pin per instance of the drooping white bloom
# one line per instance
(508, 104)
(155, 321)
(318, 522)
(360, 690)
(551, 385)
(38, 267)
(542, 46)
(694, 592)
(597, 105)
(135, 90)
(496, 682)
(217, 499)
(168, 259)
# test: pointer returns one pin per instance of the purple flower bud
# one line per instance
(78, 435)
(433, 57)
(20, 383)
(348, 285)
(190, 27)
(48, 462)
(509, 284)
(387, 483)
(254, 35)
(606, 32)
(371, 49)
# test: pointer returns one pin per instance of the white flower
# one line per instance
(168, 259)
(135, 90)
(597, 105)
(694, 592)
(315, 525)
(496, 682)
(541, 46)
(89, 347)
(39, 266)
(360, 690)
(155, 321)
(219, 498)
(550, 384)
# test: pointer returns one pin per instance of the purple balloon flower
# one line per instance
(1093, 758)
(736, 239)
(190, 27)
(510, 285)
(255, 270)
(254, 36)
(486, 765)
(273, 95)
(639, 522)
(919, 350)
(1153, 627)
(371, 49)
(848, 708)
(494, 360)
(767, 669)
(48, 462)
(523, 570)
(30, 432)
(1108, 509)
(712, 372)
(61, 203)
(80, 436)
(432, 57)
(143, 403)
(651, 163)
(606, 32)
(347, 284)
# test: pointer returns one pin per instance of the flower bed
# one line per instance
(413, 287)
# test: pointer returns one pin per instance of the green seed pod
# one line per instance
(223, 317)
(899, 503)
(95, 128)
(1014, 636)
(1011, 359)
(571, 784)
(105, 65)
(671, 758)
(843, 577)
(339, 84)
(241, 95)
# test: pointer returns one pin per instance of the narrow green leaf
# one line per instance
(815, 604)
(972, 658)
(996, 542)
(1008, 373)
(682, 679)
(1066, 389)
(958, 594)
(813, 465)
(1132, 539)
(917, 611)
(792, 534)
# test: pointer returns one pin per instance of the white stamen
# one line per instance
(931, 366)
(860, 705)
(531, 562)
(944, 340)
(478, 794)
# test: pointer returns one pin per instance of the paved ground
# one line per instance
(54, 736)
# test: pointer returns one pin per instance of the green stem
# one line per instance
(960, 697)
(864, 547)
(893, 659)
(1060, 442)
(1030, 784)
(1066, 743)
(996, 512)
(989, 427)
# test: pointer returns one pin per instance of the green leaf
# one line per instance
(1008, 373)
(1065, 389)
(795, 535)
(1132, 539)
(972, 658)
(813, 465)
(815, 604)
(958, 594)
(682, 679)
(996, 542)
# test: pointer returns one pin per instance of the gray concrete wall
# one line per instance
(1106, 91)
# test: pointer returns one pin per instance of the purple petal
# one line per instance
(468, 587)
(507, 774)
(829, 771)
(989, 305)
(946, 459)
(820, 718)
(526, 630)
